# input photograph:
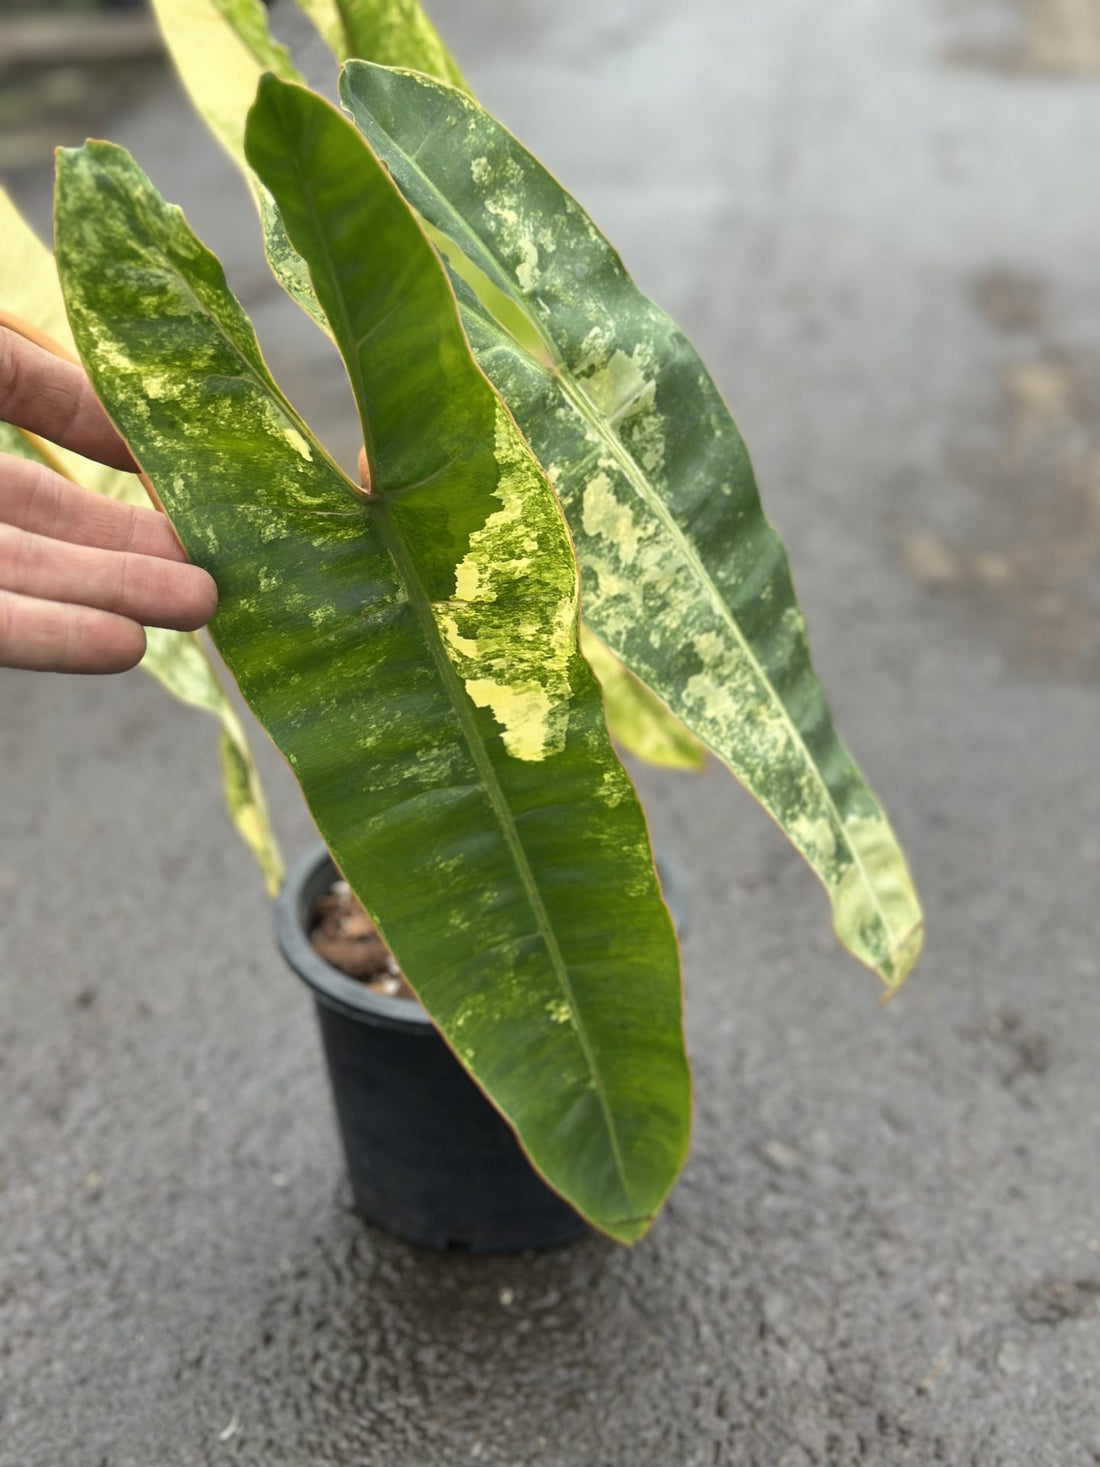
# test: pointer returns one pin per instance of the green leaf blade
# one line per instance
(334, 617)
(683, 578)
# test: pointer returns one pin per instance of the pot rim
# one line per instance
(305, 882)
(299, 891)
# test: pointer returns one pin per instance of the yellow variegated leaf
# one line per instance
(30, 293)
(221, 48)
(28, 278)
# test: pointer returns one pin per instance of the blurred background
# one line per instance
(880, 224)
(64, 64)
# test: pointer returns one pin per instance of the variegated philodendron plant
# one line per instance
(538, 437)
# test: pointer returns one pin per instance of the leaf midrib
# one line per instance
(588, 410)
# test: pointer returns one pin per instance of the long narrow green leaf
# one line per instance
(392, 32)
(683, 577)
(413, 653)
(29, 288)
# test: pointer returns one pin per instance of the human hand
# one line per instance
(80, 575)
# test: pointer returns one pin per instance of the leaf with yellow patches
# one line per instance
(503, 809)
(29, 288)
(221, 48)
(683, 577)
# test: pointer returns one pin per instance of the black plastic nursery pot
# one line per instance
(428, 1157)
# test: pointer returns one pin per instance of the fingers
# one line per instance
(48, 636)
(145, 588)
(33, 497)
(53, 398)
(80, 575)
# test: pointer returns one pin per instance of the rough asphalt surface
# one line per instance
(880, 223)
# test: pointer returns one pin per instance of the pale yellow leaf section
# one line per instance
(637, 718)
(30, 292)
(524, 680)
(28, 281)
(221, 48)
(216, 66)
(181, 665)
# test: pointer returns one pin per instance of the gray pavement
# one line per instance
(880, 222)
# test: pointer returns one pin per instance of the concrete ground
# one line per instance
(881, 225)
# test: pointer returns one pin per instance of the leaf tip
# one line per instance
(625, 1230)
(904, 956)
